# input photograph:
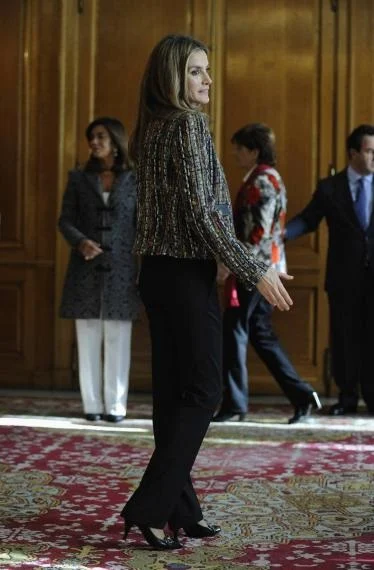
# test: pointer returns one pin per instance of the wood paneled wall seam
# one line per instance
(217, 46)
(67, 139)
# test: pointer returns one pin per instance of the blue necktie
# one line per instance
(361, 203)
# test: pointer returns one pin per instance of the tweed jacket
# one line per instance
(105, 286)
(184, 208)
(260, 214)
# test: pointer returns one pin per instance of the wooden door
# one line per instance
(29, 44)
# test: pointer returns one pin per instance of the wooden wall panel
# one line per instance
(271, 75)
(17, 307)
(10, 338)
(134, 28)
(361, 48)
(355, 64)
(47, 129)
(64, 354)
(11, 207)
(29, 40)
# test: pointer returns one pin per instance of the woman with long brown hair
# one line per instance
(184, 222)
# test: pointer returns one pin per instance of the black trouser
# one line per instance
(352, 342)
(181, 301)
(251, 322)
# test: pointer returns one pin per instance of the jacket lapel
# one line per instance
(118, 181)
(93, 181)
(371, 221)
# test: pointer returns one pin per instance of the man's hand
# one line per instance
(272, 288)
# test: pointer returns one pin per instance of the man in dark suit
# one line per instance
(346, 201)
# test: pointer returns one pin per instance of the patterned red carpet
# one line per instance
(287, 497)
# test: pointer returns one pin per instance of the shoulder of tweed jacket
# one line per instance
(184, 207)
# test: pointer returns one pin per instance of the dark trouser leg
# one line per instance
(165, 394)
(235, 347)
(235, 376)
(367, 375)
(165, 411)
(182, 306)
(346, 346)
(266, 344)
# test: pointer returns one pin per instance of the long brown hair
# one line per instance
(163, 87)
(120, 141)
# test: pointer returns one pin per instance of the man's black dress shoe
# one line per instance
(94, 417)
(304, 411)
(114, 419)
(339, 410)
(229, 416)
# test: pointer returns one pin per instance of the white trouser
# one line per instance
(108, 341)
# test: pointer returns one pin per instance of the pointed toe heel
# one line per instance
(165, 543)
(199, 531)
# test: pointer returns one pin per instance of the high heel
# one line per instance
(199, 531)
(166, 543)
(306, 409)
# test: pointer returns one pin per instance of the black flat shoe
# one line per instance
(114, 419)
(199, 531)
(166, 543)
(304, 411)
(339, 410)
(229, 417)
(93, 417)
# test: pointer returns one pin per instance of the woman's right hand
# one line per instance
(272, 288)
(89, 249)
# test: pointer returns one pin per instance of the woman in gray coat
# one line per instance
(98, 221)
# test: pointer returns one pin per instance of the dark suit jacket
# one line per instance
(350, 248)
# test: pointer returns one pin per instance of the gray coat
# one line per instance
(105, 286)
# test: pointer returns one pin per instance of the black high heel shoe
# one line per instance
(166, 543)
(199, 531)
(306, 410)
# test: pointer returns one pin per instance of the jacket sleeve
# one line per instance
(211, 221)
(309, 219)
(70, 212)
